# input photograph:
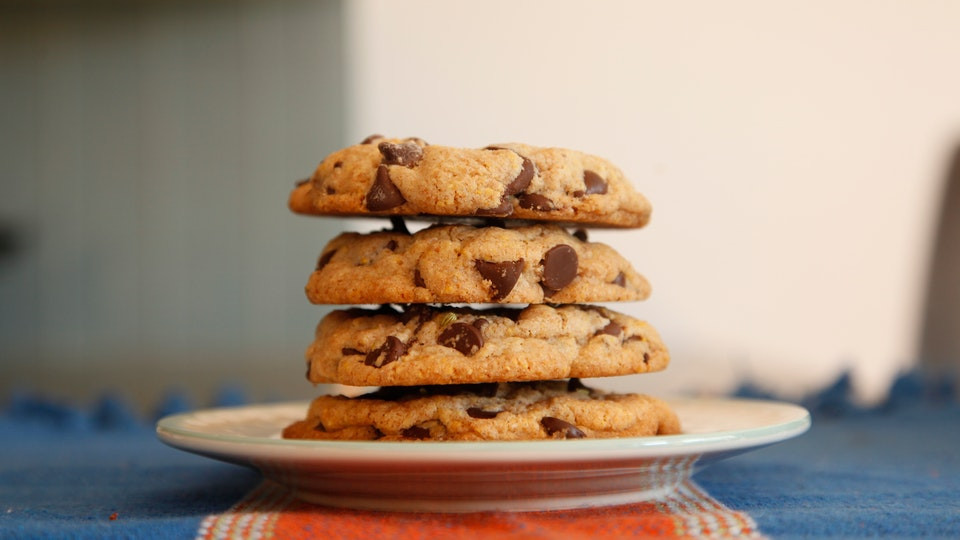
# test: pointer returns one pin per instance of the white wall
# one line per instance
(793, 151)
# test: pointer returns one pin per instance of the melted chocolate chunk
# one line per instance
(406, 154)
(503, 276)
(391, 350)
(383, 194)
(505, 209)
(324, 259)
(534, 201)
(465, 338)
(520, 183)
(594, 183)
(419, 312)
(399, 224)
(580, 234)
(527, 171)
(391, 245)
(372, 138)
(480, 414)
(349, 351)
(560, 267)
(612, 329)
(556, 425)
(620, 280)
(416, 432)
(418, 279)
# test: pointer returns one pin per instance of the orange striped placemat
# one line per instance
(271, 510)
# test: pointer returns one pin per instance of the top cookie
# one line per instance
(408, 177)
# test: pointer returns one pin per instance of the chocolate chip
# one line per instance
(620, 280)
(415, 432)
(479, 323)
(465, 338)
(372, 138)
(534, 201)
(505, 209)
(556, 425)
(520, 183)
(612, 329)
(406, 154)
(420, 312)
(594, 183)
(391, 245)
(502, 276)
(399, 225)
(418, 279)
(330, 190)
(309, 366)
(646, 357)
(383, 194)
(319, 427)
(391, 350)
(559, 267)
(337, 164)
(480, 414)
(527, 171)
(580, 234)
(349, 351)
(325, 258)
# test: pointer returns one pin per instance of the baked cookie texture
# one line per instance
(426, 345)
(462, 263)
(408, 177)
(490, 412)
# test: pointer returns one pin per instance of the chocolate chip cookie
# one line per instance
(462, 263)
(423, 344)
(408, 177)
(487, 412)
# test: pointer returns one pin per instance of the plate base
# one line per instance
(500, 488)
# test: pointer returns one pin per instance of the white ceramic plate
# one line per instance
(480, 476)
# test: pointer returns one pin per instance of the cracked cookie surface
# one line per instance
(408, 177)
(466, 264)
(449, 345)
(491, 412)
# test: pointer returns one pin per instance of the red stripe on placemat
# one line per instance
(271, 511)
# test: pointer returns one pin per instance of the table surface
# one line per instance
(893, 470)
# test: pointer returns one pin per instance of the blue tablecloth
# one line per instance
(889, 471)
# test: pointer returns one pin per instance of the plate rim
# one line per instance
(171, 430)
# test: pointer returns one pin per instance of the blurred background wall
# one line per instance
(146, 152)
(797, 155)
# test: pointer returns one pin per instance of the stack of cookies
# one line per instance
(480, 325)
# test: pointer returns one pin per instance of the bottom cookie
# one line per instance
(490, 411)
